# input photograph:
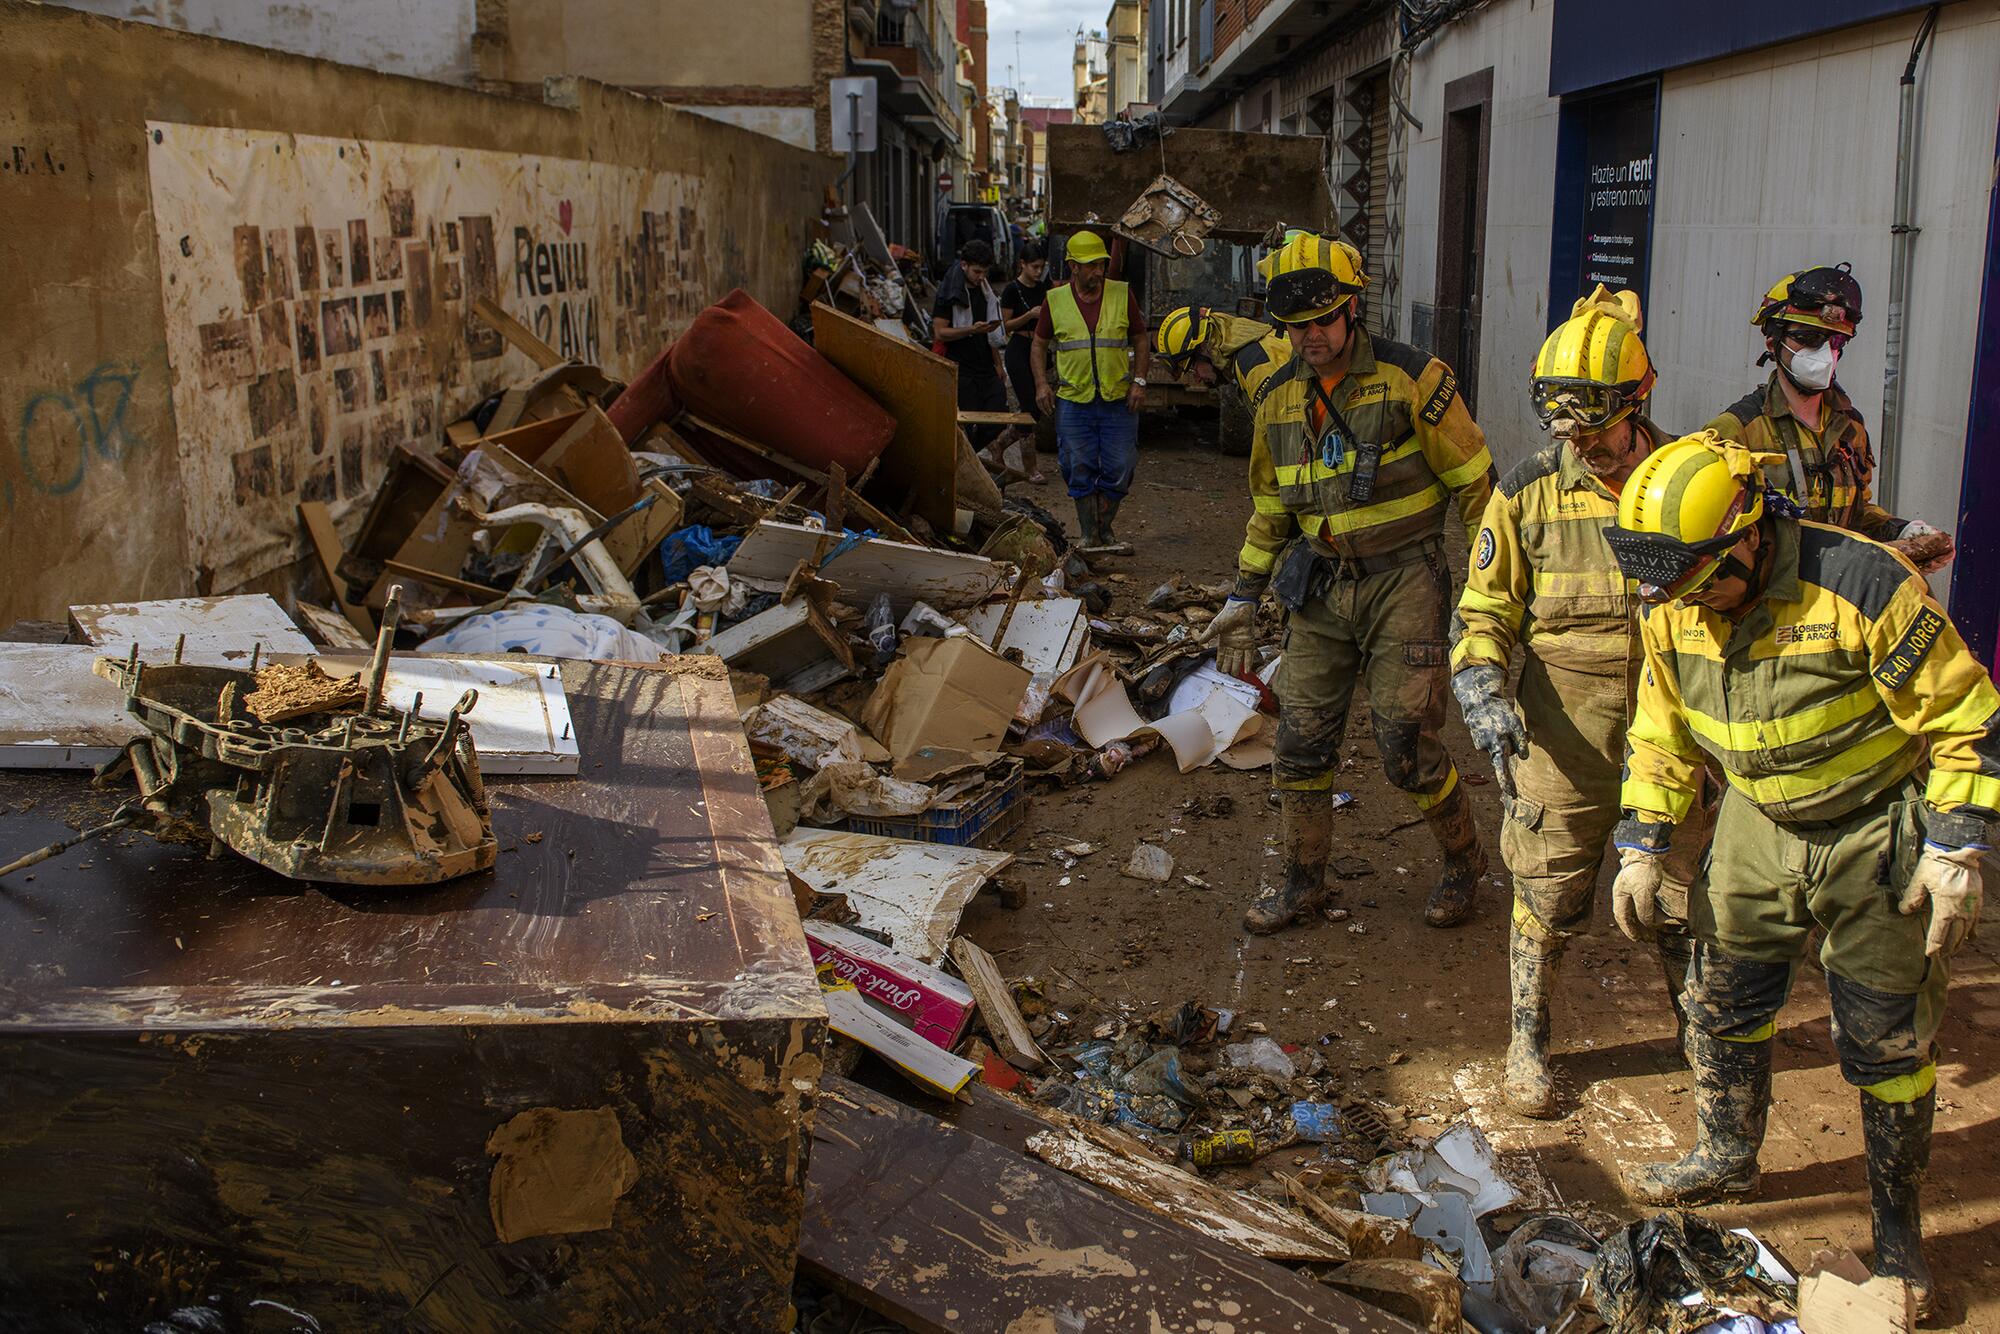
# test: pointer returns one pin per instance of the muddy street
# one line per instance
(1416, 1018)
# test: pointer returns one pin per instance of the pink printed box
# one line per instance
(931, 1003)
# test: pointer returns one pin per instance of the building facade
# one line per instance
(1495, 160)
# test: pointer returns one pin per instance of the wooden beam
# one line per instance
(517, 333)
(1009, 1031)
(995, 419)
(881, 522)
(327, 549)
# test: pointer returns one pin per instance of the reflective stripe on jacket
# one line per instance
(1836, 461)
(1822, 698)
(1393, 397)
(1092, 365)
(1542, 574)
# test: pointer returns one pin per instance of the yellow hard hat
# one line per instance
(1593, 369)
(1826, 297)
(1311, 276)
(1684, 506)
(1182, 333)
(1086, 248)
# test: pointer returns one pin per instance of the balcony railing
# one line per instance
(904, 40)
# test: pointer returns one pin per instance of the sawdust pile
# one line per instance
(284, 692)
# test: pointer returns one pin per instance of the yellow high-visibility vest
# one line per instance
(1092, 364)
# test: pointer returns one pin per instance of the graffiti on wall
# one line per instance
(319, 305)
(64, 430)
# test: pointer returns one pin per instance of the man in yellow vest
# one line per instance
(1099, 334)
(1861, 743)
(1543, 577)
(1357, 457)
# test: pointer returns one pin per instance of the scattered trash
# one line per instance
(1262, 1055)
(1646, 1270)
(1316, 1122)
(1150, 862)
(1222, 1148)
(1539, 1272)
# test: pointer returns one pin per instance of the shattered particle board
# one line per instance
(781, 644)
(1118, 1163)
(331, 629)
(226, 626)
(865, 569)
(1009, 1031)
(912, 892)
(285, 691)
(943, 1230)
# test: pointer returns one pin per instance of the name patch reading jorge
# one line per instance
(1910, 652)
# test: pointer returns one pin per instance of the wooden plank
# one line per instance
(934, 1069)
(1120, 1164)
(906, 572)
(326, 546)
(943, 1230)
(996, 419)
(453, 582)
(1009, 1031)
(331, 629)
(875, 517)
(517, 333)
(913, 892)
(920, 390)
(227, 625)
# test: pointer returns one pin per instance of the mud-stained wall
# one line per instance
(94, 498)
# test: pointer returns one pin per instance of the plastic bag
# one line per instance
(1262, 1055)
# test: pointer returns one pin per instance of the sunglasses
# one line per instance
(1805, 337)
(1324, 321)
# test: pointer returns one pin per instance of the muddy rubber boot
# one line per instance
(1897, 1136)
(1732, 1090)
(1086, 522)
(1528, 1087)
(1464, 859)
(1305, 833)
(1676, 957)
(1107, 512)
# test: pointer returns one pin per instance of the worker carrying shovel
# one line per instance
(1861, 743)
(1543, 577)
(1356, 458)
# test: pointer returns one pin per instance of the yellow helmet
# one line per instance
(1182, 333)
(1826, 298)
(1593, 370)
(1086, 248)
(1683, 508)
(1310, 277)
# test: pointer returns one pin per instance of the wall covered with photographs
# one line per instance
(319, 297)
(178, 366)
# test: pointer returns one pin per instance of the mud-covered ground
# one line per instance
(1417, 1017)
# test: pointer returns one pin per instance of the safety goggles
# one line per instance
(1589, 404)
(1808, 336)
(1307, 296)
(1831, 317)
(1666, 568)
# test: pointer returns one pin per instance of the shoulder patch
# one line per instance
(1411, 361)
(1911, 650)
(1484, 552)
(1542, 463)
(1850, 567)
(1433, 410)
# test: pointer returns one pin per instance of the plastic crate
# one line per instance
(978, 820)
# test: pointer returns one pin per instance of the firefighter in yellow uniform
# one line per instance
(1858, 737)
(1826, 463)
(1543, 577)
(1354, 460)
(1195, 341)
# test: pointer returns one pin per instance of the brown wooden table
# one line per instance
(221, 1087)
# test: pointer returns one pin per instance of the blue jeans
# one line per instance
(1097, 445)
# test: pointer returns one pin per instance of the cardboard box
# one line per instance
(955, 694)
(928, 1001)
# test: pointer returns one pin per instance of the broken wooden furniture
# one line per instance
(313, 776)
(941, 1229)
(571, 1094)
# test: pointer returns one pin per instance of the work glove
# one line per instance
(1490, 716)
(1928, 548)
(1234, 631)
(1642, 869)
(1949, 879)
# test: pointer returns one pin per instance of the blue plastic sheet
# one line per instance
(693, 546)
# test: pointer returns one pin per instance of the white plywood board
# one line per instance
(223, 631)
(55, 713)
(1049, 632)
(914, 892)
(867, 569)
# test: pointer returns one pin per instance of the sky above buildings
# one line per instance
(1047, 41)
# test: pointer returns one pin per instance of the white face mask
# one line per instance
(1812, 367)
